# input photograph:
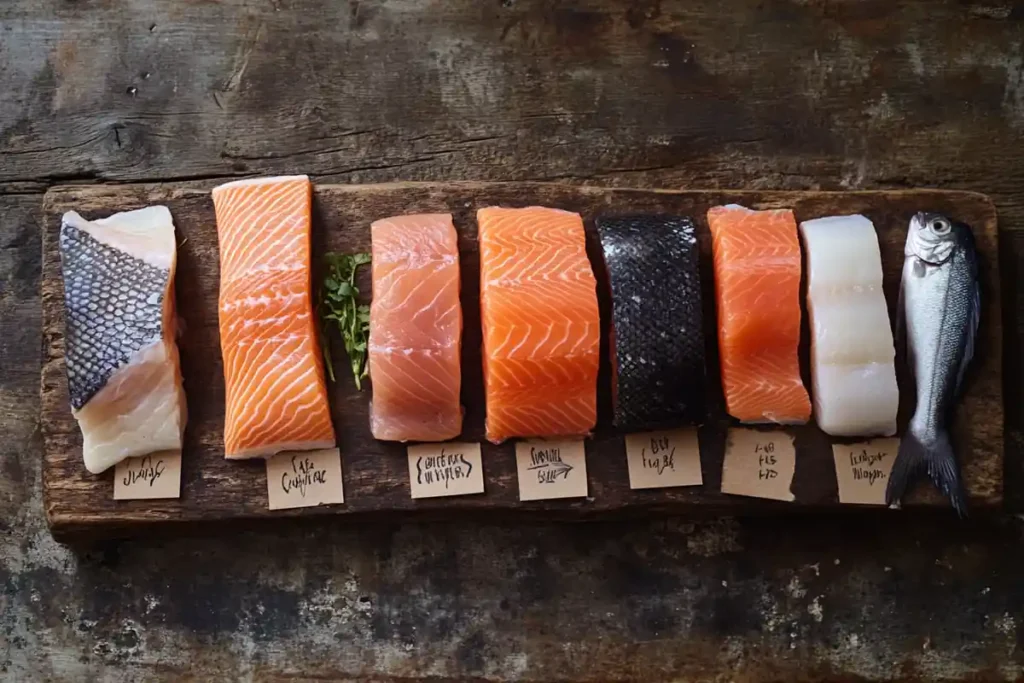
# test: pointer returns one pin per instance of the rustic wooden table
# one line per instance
(759, 94)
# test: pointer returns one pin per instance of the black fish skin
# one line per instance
(658, 328)
(114, 307)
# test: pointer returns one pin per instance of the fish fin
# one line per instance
(938, 460)
(910, 461)
(945, 474)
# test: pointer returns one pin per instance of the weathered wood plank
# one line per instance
(20, 331)
(592, 89)
(909, 93)
(376, 472)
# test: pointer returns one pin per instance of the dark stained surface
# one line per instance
(376, 473)
(776, 94)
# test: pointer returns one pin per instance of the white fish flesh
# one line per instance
(124, 375)
(852, 352)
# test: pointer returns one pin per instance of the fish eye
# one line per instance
(940, 226)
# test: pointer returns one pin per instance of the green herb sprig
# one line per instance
(339, 303)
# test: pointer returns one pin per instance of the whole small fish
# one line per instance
(940, 302)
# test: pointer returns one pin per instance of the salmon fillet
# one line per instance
(541, 327)
(276, 396)
(757, 284)
(415, 329)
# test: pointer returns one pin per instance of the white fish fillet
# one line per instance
(852, 353)
(123, 368)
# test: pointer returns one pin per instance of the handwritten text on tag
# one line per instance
(759, 464)
(662, 459)
(148, 477)
(445, 469)
(304, 479)
(862, 470)
(551, 469)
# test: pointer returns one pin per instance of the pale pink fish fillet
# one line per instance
(415, 329)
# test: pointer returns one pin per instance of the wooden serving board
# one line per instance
(376, 473)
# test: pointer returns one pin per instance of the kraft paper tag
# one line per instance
(663, 459)
(304, 479)
(862, 470)
(445, 469)
(551, 469)
(150, 476)
(759, 464)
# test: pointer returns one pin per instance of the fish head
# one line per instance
(932, 237)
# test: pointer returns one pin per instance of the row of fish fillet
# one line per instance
(540, 318)
(541, 325)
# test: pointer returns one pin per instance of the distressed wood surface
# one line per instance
(758, 94)
(376, 473)
(515, 89)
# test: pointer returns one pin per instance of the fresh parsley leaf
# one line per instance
(338, 304)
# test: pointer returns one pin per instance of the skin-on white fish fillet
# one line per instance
(124, 375)
(852, 352)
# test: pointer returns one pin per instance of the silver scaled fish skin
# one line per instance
(939, 310)
(657, 348)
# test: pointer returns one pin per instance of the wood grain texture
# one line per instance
(376, 475)
(761, 94)
(20, 331)
(516, 89)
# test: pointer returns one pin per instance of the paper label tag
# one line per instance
(304, 479)
(662, 459)
(862, 470)
(151, 476)
(551, 469)
(759, 464)
(445, 469)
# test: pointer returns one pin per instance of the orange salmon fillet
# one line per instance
(541, 327)
(415, 329)
(276, 397)
(757, 284)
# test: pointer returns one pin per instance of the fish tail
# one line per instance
(945, 473)
(937, 459)
(911, 460)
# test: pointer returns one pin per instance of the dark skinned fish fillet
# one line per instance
(124, 377)
(658, 329)
(114, 307)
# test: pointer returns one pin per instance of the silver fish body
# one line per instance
(939, 308)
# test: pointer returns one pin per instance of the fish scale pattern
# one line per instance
(658, 339)
(114, 305)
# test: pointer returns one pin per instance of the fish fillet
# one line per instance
(852, 353)
(657, 323)
(415, 329)
(124, 376)
(276, 396)
(542, 332)
(757, 284)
